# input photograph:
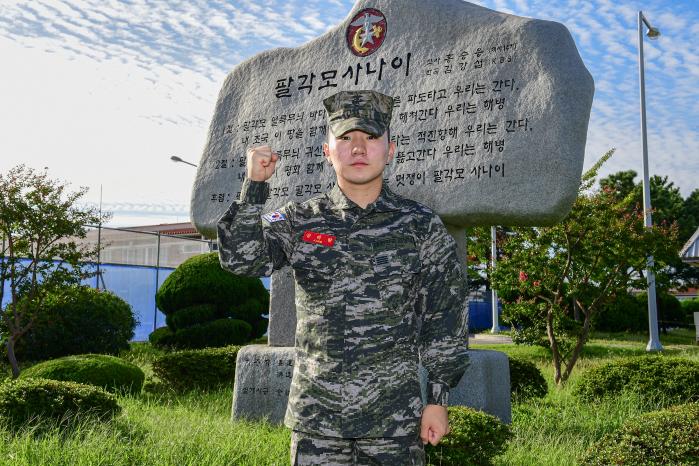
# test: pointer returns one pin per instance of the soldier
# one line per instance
(378, 288)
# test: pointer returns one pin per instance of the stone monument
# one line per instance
(490, 124)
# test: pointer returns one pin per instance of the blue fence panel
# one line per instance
(480, 315)
(135, 285)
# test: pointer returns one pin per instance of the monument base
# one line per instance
(263, 378)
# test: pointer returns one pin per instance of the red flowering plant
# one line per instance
(554, 279)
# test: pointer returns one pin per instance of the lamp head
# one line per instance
(175, 158)
(653, 33)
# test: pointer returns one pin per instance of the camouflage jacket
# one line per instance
(377, 290)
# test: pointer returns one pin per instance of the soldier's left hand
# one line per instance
(434, 424)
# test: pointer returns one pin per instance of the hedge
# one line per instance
(29, 400)
(667, 380)
(197, 369)
(108, 372)
(526, 380)
(668, 437)
(78, 320)
(474, 438)
(217, 333)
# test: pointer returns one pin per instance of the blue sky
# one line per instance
(103, 92)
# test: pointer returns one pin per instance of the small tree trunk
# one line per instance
(554, 347)
(582, 338)
(12, 357)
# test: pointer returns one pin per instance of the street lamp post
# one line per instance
(493, 260)
(175, 158)
(654, 341)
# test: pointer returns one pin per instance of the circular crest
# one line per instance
(366, 32)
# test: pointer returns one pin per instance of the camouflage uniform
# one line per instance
(377, 290)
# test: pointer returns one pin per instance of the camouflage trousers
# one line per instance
(311, 449)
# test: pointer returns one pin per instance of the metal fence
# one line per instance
(133, 264)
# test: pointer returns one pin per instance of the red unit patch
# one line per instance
(318, 238)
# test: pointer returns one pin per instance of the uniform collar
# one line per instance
(386, 201)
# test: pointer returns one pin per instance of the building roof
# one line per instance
(690, 251)
(183, 228)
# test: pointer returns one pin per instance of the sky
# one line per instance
(104, 92)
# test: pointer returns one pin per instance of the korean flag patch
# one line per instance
(275, 216)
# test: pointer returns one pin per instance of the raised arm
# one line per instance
(251, 242)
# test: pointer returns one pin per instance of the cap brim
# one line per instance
(355, 123)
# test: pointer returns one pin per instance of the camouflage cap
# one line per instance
(367, 111)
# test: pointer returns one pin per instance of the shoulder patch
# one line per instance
(275, 216)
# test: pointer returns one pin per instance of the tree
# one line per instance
(553, 280)
(689, 219)
(39, 222)
(667, 207)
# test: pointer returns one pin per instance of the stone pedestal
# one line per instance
(262, 381)
(263, 378)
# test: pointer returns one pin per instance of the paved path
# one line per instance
(489, 339)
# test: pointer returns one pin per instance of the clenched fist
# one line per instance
(261, 163)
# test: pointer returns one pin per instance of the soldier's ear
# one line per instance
(326, 152)
(391, 150)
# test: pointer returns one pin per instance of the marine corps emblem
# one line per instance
(366, 32)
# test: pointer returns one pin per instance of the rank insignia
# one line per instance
(318, 238)
(274, 217)
(366, 32)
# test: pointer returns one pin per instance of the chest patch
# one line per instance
(275, 216)
(318, 238)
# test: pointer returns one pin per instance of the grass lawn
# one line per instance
(195, 429)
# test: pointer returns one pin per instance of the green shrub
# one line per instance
(689, 307)
(201, 280)
(190, 316)
(475, 438)
(221, 332)
(26, 400)
(161, 337)
(624, 313)
(526, 380)
(200, 297)
(250, 311)
(661, 379)
(78, 320)
(667, 437)
(197, 369)
(670, 313)
(108, 372)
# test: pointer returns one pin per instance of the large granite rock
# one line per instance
(263, 378)
(490, 122)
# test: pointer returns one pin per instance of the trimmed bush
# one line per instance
(667, 437)
(221, 332)
(526, 380)
(197, 369)
(689, 307)
(27, 400)
(475, 438)
(201, 300)
(201, 280)
(161, 337)
(111, 373)
(667, 380)
(624, 313)
(78, 320)
(192, 315)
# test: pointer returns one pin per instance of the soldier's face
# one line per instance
(358, 158)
